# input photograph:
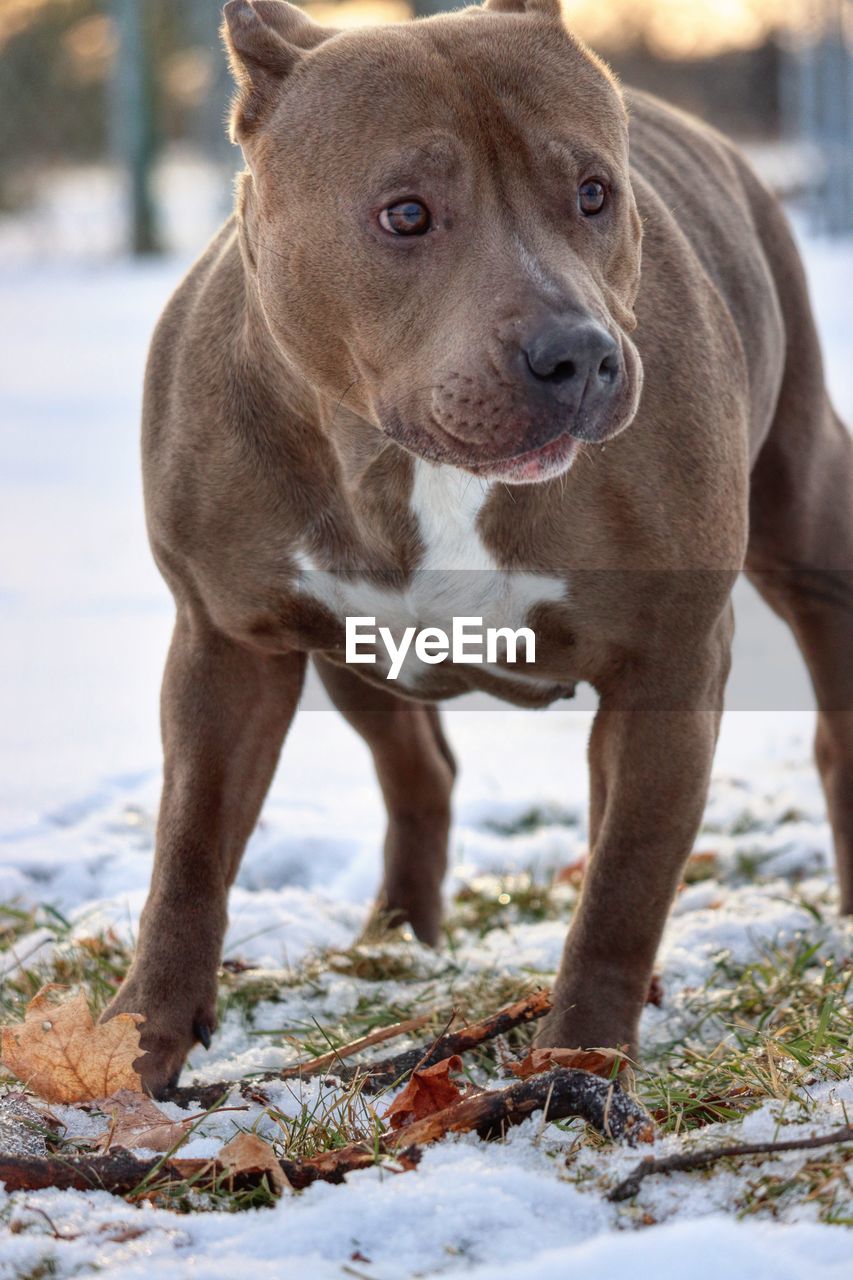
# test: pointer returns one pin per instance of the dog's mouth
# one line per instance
(511, 437)
(533, 466)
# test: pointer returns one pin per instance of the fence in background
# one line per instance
(112, 116)
(817, 105)
(138, 127)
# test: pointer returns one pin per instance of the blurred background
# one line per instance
(112, 112)
(114, 171)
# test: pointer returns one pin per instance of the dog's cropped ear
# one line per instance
(547, 8)
(265, 40)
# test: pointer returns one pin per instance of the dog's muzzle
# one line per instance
(575, 366)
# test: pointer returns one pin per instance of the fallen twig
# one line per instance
(563, 1092)
(388, 1070)
(560, 1093)
(311, 1066)
(123, 1173)
(686, 1161)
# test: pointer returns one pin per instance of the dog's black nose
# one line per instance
(579, 355)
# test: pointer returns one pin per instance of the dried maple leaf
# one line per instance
(428, 1091)
(137, 1121)
(247, 1153)
(61, 1054)
(600, 1062)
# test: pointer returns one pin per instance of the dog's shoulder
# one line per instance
(191, 336)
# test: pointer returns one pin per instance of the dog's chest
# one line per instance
(456, 577)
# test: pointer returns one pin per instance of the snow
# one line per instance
(86, 622)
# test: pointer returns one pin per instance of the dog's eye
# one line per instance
(408, 218)
(592, 196)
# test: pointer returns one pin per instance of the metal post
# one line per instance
(134, 130)
(428, 8)
(204, 18)
(836, 119)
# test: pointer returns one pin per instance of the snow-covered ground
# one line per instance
(86, 619)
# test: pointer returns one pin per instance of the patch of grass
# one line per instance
(497, 902)
(195, 1194)
(16, 922)
(245, 992)
(390, 981)
(42, 1270)
(378, 963)
(458, 997)
(746, 823)
(97, 963)
(335, 1119)
(792, 814)
(749, 863)
(824, 1183)
(533, 819)
(764, 1031)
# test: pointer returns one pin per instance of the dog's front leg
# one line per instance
(651, 761)
(225, 711)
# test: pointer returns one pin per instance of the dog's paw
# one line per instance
(565, 1030)
(171, 1028)
(392, 917)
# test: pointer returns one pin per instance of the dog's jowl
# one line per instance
(487, 335)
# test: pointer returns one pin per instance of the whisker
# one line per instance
(343, 396)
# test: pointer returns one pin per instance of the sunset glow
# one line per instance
(683, 28)
(671, 28)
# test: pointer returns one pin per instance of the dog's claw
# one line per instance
(202, 1033)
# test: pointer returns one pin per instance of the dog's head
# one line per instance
(442, 227)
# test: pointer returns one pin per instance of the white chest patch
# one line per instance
(457, 575)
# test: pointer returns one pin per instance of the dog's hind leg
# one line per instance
(415, 768)
(801, 560)
(801, 550)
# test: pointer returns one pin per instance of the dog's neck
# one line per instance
(367, 477)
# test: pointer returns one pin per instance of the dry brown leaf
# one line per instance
(573, 872)
(137, 1121)
(247, 1153)
(600, 1062)
(654, 995)
(120, 1232)
(702, 865)
(98, 946)
(61, 1054)
(428, 1091)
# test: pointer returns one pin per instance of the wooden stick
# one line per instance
(387, 1071)
(123, 1173)
(311, 1066)
(686, 1161)
(563, 1091)
(602, 1103)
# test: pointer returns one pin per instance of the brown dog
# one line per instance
(381, 392)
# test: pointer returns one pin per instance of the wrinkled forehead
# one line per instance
(402, 95)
